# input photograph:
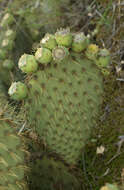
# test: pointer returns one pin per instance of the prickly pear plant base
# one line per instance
(48, 173)
(63, 95)
(12, 166)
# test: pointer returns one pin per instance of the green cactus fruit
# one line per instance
(8, 64)
(17, 91)
(104, 58)
(65, 98)
(92, 51)
(49, 41)
(53, 174)
(79, 42)
(27, 63)
(10, 34)
(109, 186)
(60, 53)
(64, 37)
(43, 55)
(7, 44)
(7, 20)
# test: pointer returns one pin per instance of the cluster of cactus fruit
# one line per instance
(7, 37)
(60, 99)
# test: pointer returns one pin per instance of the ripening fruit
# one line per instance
(27, 63)
(104, 57)
(64, 37)
(79, 42)
(92, 51)
(17, 91)
(48, 41)
(60, 53)
(43, 55)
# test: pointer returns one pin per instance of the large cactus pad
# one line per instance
(62, 101)
(12, 167)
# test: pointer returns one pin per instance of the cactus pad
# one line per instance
(65, 98)
(12, 167)
(50, 174)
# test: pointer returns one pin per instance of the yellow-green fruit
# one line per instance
(64, 37)
(27, 63)
(17, 91)
(43, 55)
(104, 58)
(49, 41)
(92, 51)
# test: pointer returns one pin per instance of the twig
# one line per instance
(120, 79)
(22, 128)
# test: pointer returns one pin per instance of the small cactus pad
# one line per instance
(50, 174)
(27, 63)
(17, 91)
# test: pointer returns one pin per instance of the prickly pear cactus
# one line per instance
(63, 95)
(7, 36)
(47, 173)
(12, 155)
(7, 41)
